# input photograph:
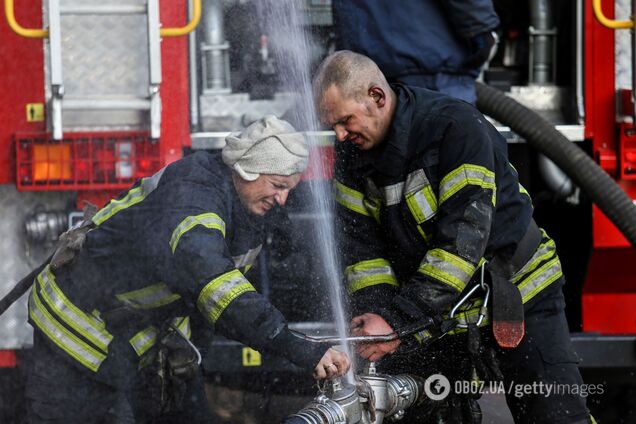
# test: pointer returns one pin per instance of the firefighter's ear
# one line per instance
(378, 95)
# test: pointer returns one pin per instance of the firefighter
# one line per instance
(112, 319)
(425, 198)
(442, 49)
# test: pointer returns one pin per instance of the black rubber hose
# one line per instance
(577, 164)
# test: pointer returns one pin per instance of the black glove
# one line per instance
(173, 363)
(483, 48)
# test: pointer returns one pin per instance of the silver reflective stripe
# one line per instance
(62, 337)
(86, 325)
(133, 197)
(466, 175)
(144, 340)
(183, 324)
(369, 273)
(416, 181)
(420, 197)
(208, 220)
(539, 279)
(392, 194)
(447, 268)
(148, 185)
(247, 258)
(149, 297)
(220, 292)
(544, 252)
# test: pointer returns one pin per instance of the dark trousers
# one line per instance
(57, 392)
(545, 358)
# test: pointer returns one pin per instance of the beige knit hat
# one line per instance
(268, 146)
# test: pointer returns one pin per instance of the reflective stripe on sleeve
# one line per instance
(420, 197)
(220, 292)
(247, 259)
(447, 268)
(85, 324)
(466, 175)
(208, 220)
(67, 341)
(369, 273)
(392, 194)
(149, 297)
(351, 199)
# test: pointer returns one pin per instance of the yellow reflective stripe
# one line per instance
(208, 220)
(86, 325)
(369, 273)
(149, 297)
(144, 340)
(133, 197)
(183, 324)
(544, 252)
(523, 190)
(419, 196)
(351, 199)
(62, 337)
(447, 268)
(422, 204)
(425, 236)
(469, 315)
(540, 279)
(467, 175)
(247, 259)
(220, 292)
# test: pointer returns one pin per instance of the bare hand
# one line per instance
(373, 325)
(332, 364)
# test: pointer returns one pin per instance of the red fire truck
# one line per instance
(98, 94)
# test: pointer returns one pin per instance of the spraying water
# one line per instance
(282, 20)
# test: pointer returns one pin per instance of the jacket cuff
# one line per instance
(373, 299)
(301, 352)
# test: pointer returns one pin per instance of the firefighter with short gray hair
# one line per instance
(429, 208)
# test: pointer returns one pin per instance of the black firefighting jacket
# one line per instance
(419, 214)
(176, 243)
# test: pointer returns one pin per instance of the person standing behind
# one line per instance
(437, 44)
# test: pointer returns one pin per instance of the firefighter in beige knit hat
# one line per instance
(267, 159)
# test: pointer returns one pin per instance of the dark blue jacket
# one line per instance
(177, 244)
(419, 214)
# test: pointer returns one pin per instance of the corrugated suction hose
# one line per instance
(541, 134)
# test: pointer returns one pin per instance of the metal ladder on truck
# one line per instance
(104, 65)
